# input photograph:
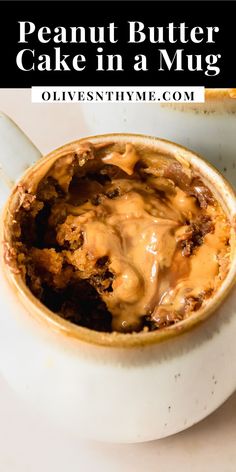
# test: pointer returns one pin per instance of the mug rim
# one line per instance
(217, 101)
(220, 93)
(39, 311)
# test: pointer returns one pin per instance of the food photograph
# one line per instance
(118, 247)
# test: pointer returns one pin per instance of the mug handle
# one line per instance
(17, 153)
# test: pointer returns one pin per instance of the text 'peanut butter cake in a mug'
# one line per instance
(119, 237)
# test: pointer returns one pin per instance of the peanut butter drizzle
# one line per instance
(125, 161)
(139, 233)
(196, 275)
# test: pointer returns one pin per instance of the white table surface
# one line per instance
(31, 444)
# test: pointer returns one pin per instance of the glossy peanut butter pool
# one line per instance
(120, 238)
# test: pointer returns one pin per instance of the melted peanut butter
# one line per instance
(151, 246)
(139, 234)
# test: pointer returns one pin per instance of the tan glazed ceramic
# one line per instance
(111, 386)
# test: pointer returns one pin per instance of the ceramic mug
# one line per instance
(122, 388)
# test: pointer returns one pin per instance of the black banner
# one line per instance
(115, 43)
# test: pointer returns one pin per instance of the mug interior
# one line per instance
(210, 176)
